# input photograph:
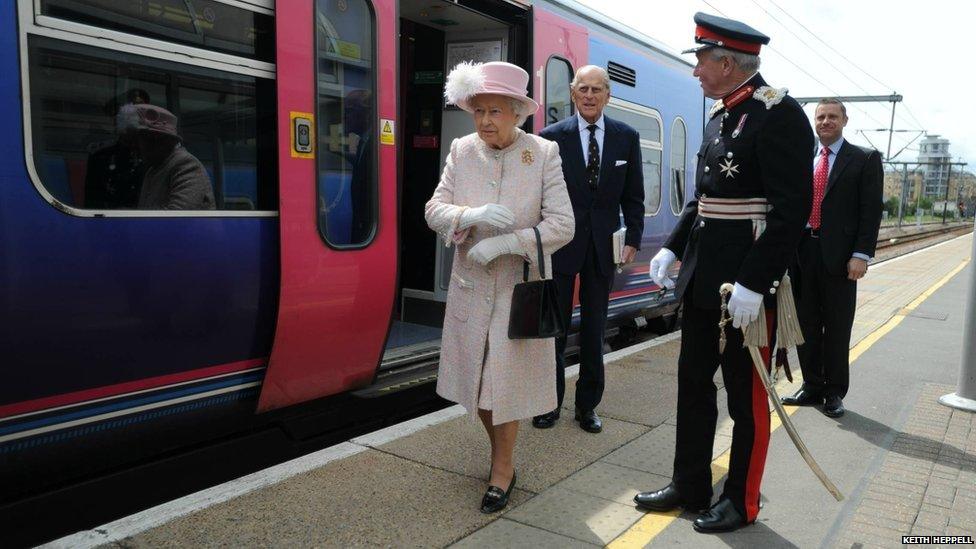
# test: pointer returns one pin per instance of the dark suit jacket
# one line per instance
(621, 187)
(851, 208)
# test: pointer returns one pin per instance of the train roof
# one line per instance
(615, 26)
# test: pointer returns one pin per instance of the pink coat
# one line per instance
(527, 178)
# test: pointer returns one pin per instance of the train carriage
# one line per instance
(131, 333)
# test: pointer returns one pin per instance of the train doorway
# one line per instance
(434, 36)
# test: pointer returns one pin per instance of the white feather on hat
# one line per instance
(464, 81)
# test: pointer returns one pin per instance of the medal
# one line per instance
(738, 127)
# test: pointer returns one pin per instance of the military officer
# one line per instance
(752, 199)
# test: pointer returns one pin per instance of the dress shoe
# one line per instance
(722, 517)
(667, 499)
(803, 397)
(833, 407)
(546, 421)
(589, 421)
(495, 499)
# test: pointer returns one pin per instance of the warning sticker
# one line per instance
(387, 127)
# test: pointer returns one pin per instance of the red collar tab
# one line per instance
(737, 97)
(726, 42)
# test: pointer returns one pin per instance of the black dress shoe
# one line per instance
(495, 499)
(833, 407)
(803, 397)
(667, 499)
(722, 517)
(589, 421)
(546, 421)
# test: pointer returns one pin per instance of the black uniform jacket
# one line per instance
(620, 188)
(851, 207)
(768, 156)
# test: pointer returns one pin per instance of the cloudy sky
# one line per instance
(867, 47)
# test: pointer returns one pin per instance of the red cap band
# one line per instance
(730, 43)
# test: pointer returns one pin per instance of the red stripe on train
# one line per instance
(127, 387)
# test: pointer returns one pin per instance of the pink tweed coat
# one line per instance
(527, 178)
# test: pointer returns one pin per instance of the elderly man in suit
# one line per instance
(834, 251)
(602, 166)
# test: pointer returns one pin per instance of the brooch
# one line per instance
(527, 157)
(770, 96)
(729, 169)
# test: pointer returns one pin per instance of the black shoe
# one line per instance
(589, 421)
(546, 421)
(495, 500)
(667, 499)
(833, 407)
(722, 517)
(803, 397)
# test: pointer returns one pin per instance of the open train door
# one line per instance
(559, 47)
(336, 66)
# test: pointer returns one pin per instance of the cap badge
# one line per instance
(770, 96)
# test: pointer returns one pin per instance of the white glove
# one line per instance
(488, 249)
(744, 305)
(489, 215)
(660, 266)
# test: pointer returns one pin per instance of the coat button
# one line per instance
(776, 283)
(701, 224)
(772, 290)
(728, 154)
(716, 141)
(707, 169)
(488, 300)
(493, 183)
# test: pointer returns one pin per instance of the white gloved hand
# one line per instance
(660, 266)
(489, 215)
(744, 305)
(488, 249)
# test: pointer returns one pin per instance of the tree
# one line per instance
(891, 206)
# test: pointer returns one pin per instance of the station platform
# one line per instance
(906, 464)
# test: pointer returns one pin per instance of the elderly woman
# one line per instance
(498, 184)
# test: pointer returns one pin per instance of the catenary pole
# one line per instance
(965, 396)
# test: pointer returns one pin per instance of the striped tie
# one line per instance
(593, 163)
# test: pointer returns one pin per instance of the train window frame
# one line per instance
(676, 208)
(652, 113)
(317, 86)
(30, 23)
(545, 88)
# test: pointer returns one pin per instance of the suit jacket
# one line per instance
(597, 211)
(752, 150)
(851, 207)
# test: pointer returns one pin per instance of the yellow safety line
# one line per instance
(653, 523)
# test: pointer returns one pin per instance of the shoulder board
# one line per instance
(716, 107)
(770, 96)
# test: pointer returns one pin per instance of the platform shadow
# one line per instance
(907, 444)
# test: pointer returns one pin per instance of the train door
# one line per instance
(435, 35)
(336, 121)
(559, 47)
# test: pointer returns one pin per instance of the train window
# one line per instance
(209, 24)
(651, 159)
(347, 132)
(559, 104)
(679, 148)
(118, 131)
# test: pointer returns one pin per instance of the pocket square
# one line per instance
(619, 163)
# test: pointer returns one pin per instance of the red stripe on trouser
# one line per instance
(760, 437)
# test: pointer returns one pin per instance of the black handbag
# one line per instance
(535, 307)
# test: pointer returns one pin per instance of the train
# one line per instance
(131, 333)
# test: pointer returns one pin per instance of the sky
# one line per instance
(919, 50)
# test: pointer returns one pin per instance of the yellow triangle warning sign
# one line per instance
(387, 128)
(386, 131)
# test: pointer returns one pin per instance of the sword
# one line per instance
(757, 361)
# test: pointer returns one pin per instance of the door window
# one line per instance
(559, 104)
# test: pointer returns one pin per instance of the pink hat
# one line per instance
(467, 80)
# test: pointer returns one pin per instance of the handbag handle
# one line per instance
(542, 258)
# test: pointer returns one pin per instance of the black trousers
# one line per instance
(698, 411)
(594, 296)
(825, 306)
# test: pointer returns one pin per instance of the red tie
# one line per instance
(819, 185)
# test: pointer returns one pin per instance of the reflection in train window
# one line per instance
(678, 150)
(346, 117)
(118, 131)
(209, 24)
(559, 75)
(651, 159)
(647, 122)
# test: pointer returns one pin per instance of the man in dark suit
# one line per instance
(602, 166)
(752, 198)
(838, 242)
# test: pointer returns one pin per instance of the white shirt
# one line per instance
(585, 136)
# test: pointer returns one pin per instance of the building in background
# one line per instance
(933, 154)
